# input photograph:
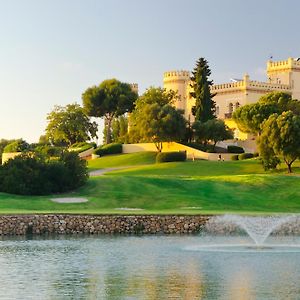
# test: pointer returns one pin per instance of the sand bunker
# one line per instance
(69, 200)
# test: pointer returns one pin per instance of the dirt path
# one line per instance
(101, 172)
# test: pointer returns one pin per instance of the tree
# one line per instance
(155, 119)
(110, 100)
(281, 137)
(120, 130)
(204, 108)
(68, 125)
(213, 130)
(249, 118)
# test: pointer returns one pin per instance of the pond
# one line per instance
(149, 267)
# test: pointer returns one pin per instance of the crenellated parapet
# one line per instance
(247, 84)
(288, 64)
(134, 87)
(228, 86)
(269, 86)
(172, 76)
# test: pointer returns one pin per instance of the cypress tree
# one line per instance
(205, 107)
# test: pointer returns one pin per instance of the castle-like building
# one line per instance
(282, 76)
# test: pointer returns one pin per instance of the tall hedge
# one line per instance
(170, 156)
(235, 149)
(113, 148)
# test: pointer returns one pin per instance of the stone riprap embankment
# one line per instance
(100, 224)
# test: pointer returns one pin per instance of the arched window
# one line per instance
(237, 105)
(230, 108)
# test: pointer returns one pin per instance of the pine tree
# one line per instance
(204, 108)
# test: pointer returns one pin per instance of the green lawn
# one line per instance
(173, 188)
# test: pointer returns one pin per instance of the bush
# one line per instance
(49, 151)
(255, 154)
(113, 148)
(16, 146)
(170, 156)
(205, 148)
(245, 156)
(31, 175)
(235, 157)
(81, 147)
(235, 149)
(270, 163)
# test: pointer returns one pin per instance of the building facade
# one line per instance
(283, 76)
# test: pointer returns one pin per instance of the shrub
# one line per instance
(170, 156)
(82, 146)
(245, 156)
(270, 162)
(235, 157)
(255, 154)
(16, 146)
(32, 175)
(235, 149)
(49, 151)
(205, 148)
(77, 174)
(113, 148)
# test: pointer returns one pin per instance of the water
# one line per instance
(149, 267)
(258, 228)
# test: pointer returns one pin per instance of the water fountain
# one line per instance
(258, 228)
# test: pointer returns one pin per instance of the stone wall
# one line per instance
(107, 224)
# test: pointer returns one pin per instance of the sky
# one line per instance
(51, 51)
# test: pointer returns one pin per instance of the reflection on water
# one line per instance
(155, 267)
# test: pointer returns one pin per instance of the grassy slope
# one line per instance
(212, 187)
(142, 158)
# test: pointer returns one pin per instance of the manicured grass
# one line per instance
(199, 187)
(141, 158)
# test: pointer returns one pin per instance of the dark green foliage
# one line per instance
(204, 108)
(69, 125)
(235, 149)
(250, 118)
(205, 147)
(212, 130)
(32, 175)
(155, 119)
(235, 157)
(110, 99)
(81, 147)
(3, 144)
(48, 151)
(16, 146)
(120, 130)
(270, 162)
(113, 148)
(245, 156)
(255, 154)
(170, 156)
(76, 169)
(281, 137)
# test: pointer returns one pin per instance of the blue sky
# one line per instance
(52, 50)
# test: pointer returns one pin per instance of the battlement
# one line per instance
(177, 74)
(288, 64)
(231, 85)
(268, 86)
(134, 87)
(250, 84)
